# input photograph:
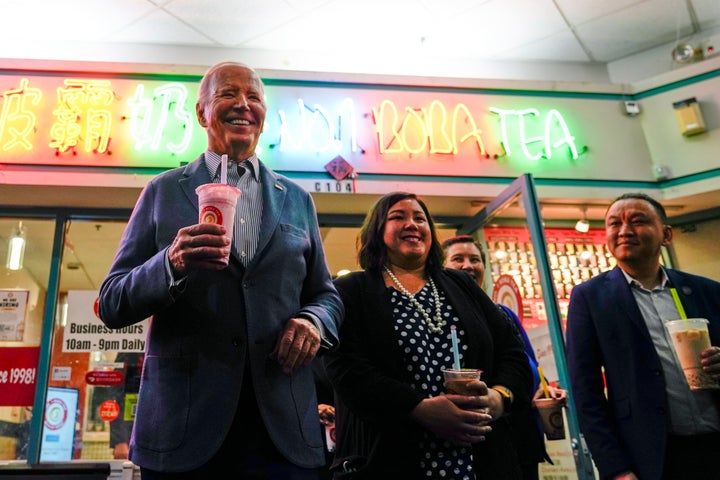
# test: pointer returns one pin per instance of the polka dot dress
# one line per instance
(425, 354)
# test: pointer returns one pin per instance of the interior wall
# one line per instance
(683, 155)
(696, 248)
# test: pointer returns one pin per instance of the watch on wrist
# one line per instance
(507, 397)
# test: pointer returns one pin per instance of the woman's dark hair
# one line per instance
(372, 251)
(659, 209)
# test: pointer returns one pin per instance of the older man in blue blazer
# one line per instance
(227, 390)
(635, 408)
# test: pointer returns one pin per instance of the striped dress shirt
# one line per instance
(248, 213)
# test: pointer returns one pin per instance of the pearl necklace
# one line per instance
(434, 326)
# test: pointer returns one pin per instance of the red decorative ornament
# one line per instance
(339, 168)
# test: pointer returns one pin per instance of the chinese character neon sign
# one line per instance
(82, 111)
(150, 118)
(17, 117)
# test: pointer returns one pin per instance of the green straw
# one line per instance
(679, 306)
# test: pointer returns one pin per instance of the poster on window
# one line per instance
(18, 374)
(85, 332)
(13, 308)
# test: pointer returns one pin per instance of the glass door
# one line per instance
(520, 275)
(25, 261)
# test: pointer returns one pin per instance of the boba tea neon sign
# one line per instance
(441, 134)
(123, 122)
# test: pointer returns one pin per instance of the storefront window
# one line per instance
(86, 357)
(24, 273)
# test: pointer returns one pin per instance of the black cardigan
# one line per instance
(373, 390)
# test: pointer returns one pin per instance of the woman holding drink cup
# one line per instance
(394, 417)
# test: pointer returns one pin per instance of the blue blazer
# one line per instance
(629, 428)
(202, 336)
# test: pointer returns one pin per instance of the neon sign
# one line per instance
(152, 123)
(17, 116)
(79, 112)
(318, 131)
(554, 122)
(427, 127)
(149, 118)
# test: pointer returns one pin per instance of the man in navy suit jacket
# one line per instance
(635, 408)
(227, 390)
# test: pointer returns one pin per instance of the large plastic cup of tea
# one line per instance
(551, 414)
(217, 203)
(456, 380)
(690, 337)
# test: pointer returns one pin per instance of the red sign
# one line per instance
(507, 292)
(552, 235)
(339, 168)
(18, 373)
(56, 414)
(109, 410)
(104, 377)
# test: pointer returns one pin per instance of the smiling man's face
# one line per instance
(635, 232)
(233, 112)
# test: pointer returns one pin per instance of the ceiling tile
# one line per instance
(449, 8)
(560, 47)
(232, 22)
(578, 12)
(161, 28)
(344, 26)
(487, 31)
(708, 13)
(305, 5)
(70, 20)
(634, 29)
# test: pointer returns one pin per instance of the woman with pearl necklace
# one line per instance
(394, 418)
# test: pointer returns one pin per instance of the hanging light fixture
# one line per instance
(16, 248)
(582, 225)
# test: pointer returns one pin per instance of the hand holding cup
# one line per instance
(551, 414)
(466, 382)
(457, 381)
(699, 361)
(711, 362)
(201, 246)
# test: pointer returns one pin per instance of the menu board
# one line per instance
(573, 258)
